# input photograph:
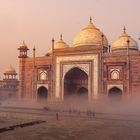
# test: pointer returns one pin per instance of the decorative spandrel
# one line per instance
(84, 67)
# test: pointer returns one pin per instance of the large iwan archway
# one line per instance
(76, 84)
(115, 93)
(42, 93)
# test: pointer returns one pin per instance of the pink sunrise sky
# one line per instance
(37, 21)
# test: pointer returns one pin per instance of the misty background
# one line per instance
(38, 21)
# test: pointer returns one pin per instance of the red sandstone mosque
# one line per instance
(89, 68)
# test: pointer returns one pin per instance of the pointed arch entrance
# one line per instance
(76, 83)
(115, 93)
(42, 93)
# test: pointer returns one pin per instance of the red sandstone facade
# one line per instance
(91, 68)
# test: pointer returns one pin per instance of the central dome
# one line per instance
(90, 36)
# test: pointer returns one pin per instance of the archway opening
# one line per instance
(42, 93)
(76, 84)
(115, 93)
(82, 91)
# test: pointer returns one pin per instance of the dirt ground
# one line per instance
(69, 128)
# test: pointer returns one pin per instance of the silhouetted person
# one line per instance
(57, 116)
(93, 114)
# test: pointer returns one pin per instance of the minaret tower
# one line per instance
(23, 49)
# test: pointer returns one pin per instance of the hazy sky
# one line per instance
(37, 21)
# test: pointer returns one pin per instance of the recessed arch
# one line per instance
(75, 82)
(115, 93)
(42, 75)
(115, 74)
(42, 93)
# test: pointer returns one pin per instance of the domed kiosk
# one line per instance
(10, 73)
(9, 84)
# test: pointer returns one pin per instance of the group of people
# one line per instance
(88, 113)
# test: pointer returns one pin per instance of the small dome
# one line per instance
(90, 36)
(59, 45)
(10, 70)
(121, 43)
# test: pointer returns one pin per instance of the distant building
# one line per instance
(9, 84)
(90, 68)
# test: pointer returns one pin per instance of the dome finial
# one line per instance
(53, 39)
(23, 43)
(61, 37)
(124, 30)
(34, 49)
(90, 19)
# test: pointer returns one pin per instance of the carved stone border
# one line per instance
(59, 74)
